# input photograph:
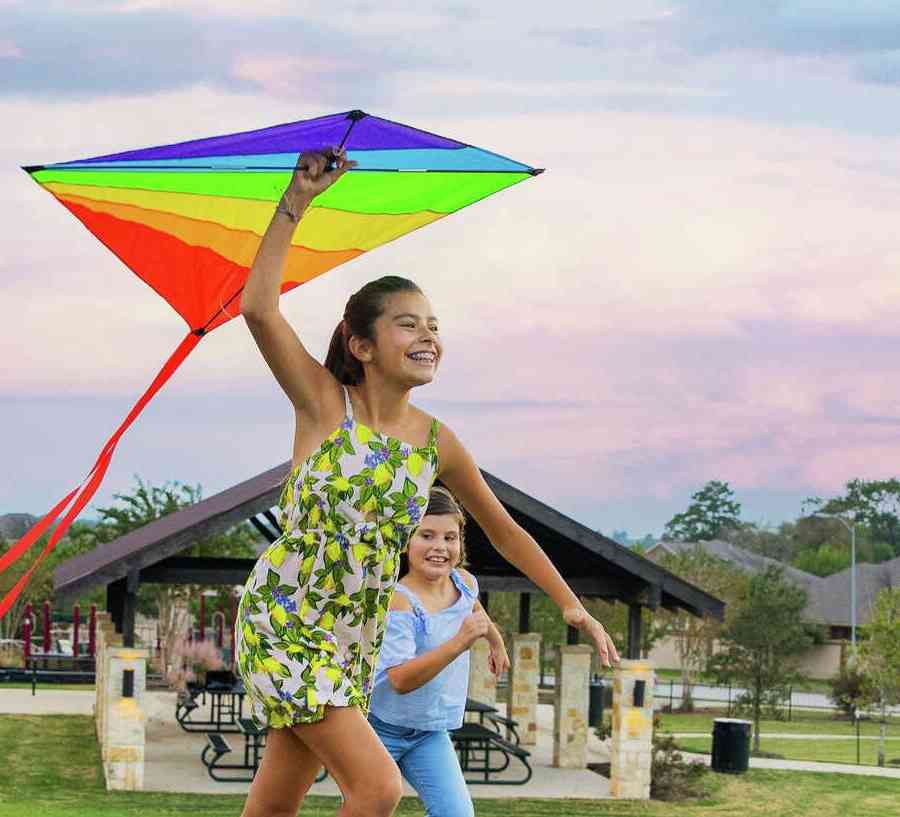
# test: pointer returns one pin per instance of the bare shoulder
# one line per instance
(400, 603)
(422, 421)
(468, 578)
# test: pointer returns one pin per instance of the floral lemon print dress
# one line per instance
(312, 614)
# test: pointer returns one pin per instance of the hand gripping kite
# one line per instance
(188, 218)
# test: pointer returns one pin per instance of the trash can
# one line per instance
(595, 701)
(730, 745)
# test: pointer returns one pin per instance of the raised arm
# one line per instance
(461, 475)
(301, 376)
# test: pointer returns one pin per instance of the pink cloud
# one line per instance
(9, 50)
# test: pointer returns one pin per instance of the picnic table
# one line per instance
(484, 751)
(226, 704)
(217, 747)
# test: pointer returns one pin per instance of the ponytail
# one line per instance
(340, 360)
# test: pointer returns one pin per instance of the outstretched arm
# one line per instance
(461, 475)
(301, 376)
(499, 658)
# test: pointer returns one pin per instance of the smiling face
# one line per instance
(435, 547)
(406, 344)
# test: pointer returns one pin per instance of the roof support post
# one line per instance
(129, 608)
(115, 602)
(634, 632)
(524, 612)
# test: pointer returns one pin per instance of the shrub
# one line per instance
(848, 689)
(671, 776)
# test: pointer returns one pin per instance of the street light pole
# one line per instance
(851, 527)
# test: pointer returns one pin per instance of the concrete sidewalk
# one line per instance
(172, 763)
(788, 736)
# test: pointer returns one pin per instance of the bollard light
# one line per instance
(128, 683)
(639, 689)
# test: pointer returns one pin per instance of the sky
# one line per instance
(703, 285)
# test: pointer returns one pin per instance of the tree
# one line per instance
(879, 657)
(762, 642)
(40, 585)
(696, 637)
(713, 511)
(874, 503)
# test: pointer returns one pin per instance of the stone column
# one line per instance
(570, 720)
(482, 682)
(524, 675)
(124, 719)
(631, 751)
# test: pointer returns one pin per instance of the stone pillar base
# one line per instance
(524, 677)
(482, 682)
(631, 751)
(573, 664)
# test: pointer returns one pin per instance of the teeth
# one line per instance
(429, 356)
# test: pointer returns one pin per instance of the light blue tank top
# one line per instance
(441, 703)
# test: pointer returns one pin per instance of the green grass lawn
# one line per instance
(812, 723)
(49, 766)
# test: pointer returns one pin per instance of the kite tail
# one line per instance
(81, 495)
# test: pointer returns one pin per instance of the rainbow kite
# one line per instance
(188, 218)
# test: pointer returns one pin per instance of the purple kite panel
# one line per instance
(368, 133)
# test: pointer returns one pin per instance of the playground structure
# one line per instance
(54, 647)
(46, 642)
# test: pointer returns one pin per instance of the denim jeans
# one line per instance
(428, 762)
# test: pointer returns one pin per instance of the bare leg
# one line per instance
(357, 760)
(287, 770)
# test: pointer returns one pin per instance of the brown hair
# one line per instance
(363, 309)
(442, 503)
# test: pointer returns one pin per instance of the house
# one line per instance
(828, 600)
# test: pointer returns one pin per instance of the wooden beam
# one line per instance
(273, 521)
(263, 529)
(198, 570)
(597, 586)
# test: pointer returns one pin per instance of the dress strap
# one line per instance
(432, 435)
(462, 586)
(348, 406)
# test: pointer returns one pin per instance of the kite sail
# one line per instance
(188, 219)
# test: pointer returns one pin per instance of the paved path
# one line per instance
(810, 766)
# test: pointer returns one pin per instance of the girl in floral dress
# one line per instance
(311, 618)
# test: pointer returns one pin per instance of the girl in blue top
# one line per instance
(423, 670)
